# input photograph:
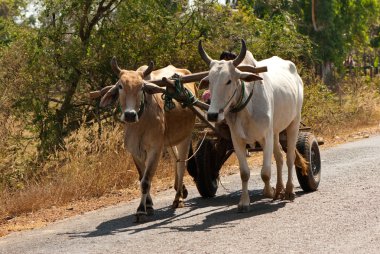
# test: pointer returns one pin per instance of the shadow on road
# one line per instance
(217, 212)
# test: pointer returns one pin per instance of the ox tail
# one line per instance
(302, 163)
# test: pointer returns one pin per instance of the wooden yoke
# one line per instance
(166, 85)
(194, 77)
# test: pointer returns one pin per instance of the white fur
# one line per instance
(275, 106)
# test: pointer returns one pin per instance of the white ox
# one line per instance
(149, 128)
(274, 105)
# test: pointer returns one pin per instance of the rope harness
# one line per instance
(195, 152)
(240, 105)
(179, 89)
(190, 99)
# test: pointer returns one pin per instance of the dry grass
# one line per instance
(90, 166)
(356, 103)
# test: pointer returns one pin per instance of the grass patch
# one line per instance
(356, 102)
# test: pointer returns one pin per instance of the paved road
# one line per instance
(342, 217)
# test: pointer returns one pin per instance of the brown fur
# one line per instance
(146, 138)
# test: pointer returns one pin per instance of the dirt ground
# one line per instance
(43, 217)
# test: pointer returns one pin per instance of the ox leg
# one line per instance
(173, 151)
(140, 168)
(266, 169)
(145, 184)
(291, 135)
(240, 151)
(181, 194)
(279, 163)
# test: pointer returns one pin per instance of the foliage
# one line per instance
(68, 54)
(341, 26)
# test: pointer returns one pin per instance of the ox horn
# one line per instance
(203, 53)
(116, 69)
(241, 55)
(149, 69)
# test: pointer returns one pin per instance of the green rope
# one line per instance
(241, 104)
(168, 102)
(180, 89)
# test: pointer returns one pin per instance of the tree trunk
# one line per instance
(66, 105)
(313, 19)
(327, 74)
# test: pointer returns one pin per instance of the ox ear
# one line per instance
(203, 84)
(97, 94)
(151, 88)
(110, 97)
(249, 77)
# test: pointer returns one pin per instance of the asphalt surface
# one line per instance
(343, 216)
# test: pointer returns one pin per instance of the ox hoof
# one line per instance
(269, 192)
(243, 208)
(178, 204)
(279, 195)
(184, 192)
(149, 211)
(140, 218)
(290, 196)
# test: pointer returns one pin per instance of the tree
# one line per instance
(64, 43)
(47, 70)
(336, 27)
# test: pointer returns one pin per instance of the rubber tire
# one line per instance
(307, 145)
(207, 172)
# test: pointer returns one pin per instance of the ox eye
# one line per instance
(120, 86)
(228, 82)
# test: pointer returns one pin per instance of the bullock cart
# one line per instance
(216, 147)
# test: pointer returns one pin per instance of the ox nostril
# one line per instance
(130, 116)
(212, 117)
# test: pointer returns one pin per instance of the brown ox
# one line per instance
(149, 128)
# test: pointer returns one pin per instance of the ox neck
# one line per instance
(142, 105)
(241, 103)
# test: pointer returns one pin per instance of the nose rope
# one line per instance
(240, 105)
(195, 153)
(228, 102)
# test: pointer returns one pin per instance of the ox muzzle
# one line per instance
(131, 116)
(212, 117)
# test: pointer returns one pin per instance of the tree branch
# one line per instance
(313, 16)
(84, 20)
(100, 13)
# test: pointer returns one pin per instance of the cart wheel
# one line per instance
(307, 145)
(207, 172)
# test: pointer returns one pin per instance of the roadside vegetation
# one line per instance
(58, 146)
